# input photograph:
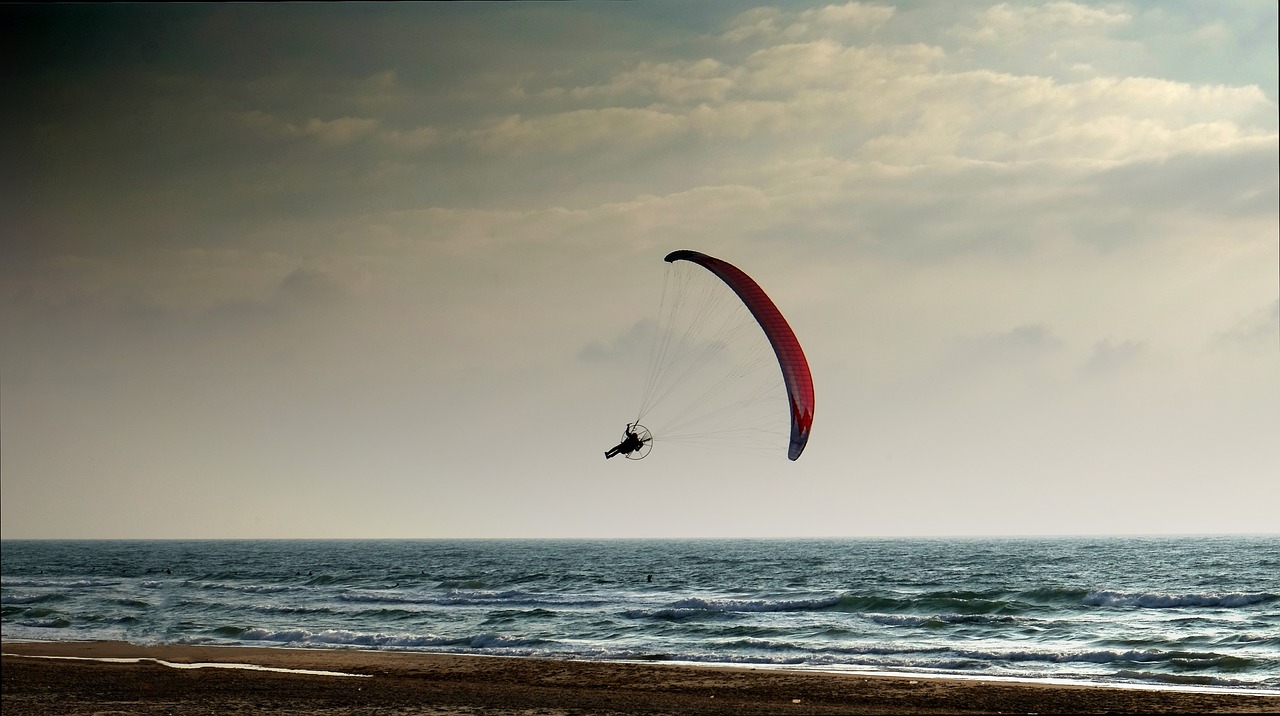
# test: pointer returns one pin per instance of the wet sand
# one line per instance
(414, 683)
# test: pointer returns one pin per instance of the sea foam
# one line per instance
(1158, 600)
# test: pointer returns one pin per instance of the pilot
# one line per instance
(630, 443)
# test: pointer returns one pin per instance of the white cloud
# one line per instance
(643, 223)
(791, 68)
(332, 132)
(1110, 357)
(625, 349)
(1259, 329)
(998, 117)
(705, 80)
(904, 103)
(1022, 22)
(342, 130)
(767, 24)
(412, 140)
(574, 130)
(1004, 350)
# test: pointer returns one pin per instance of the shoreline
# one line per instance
(786, 668)
(89, 677)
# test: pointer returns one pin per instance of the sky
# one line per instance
(313, 271)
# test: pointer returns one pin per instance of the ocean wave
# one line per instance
(943, 657)
(343, 637)
(250, 588)
(491, 641)
(54, 583)
(1157, 677)
(785, 653)
(699, 607)
(450, 598)
(942, 607)
(1182, 659)
(1161, 600)
(1262, 639)
(945, 602)
(940, 620)
(462, 584)
(666, 614)
(288, 609)
(339, 637)
(1000, 602)
(512, 598)
(54, 623)
(26, 611)
(701, 604)
(797, 647)
(24, 599)
(511, 617)
(1053, 595)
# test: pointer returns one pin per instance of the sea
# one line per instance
(1170, 612)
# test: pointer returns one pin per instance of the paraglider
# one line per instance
(636, 443)
(682, 351)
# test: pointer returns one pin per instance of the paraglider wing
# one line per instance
(795, 369)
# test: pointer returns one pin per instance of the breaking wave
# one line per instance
(1159, 600)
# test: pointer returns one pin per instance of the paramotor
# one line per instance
(708, 348)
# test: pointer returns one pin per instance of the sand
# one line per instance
(415, 683)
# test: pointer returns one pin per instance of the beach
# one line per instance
(360, 682)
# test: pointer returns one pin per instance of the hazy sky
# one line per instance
(373, 271)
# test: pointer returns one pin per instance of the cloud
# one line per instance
(332, 132)
(311, 285)
(343, 130)
(1111, 357)
(680, 82)
(1025, 341)
(794, 68)
(412, 140)
(172, 293)
(628, 347)
(1233, 181)
(1003, 357)
(1021, 22)
(898, 103)
(987, 116)
(767, 24)
(640, 223)
(1260, 329)
(784, 89)
(574, 130)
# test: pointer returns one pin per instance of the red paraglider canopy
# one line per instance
(795, 369)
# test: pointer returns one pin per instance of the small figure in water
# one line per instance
(630, 443)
